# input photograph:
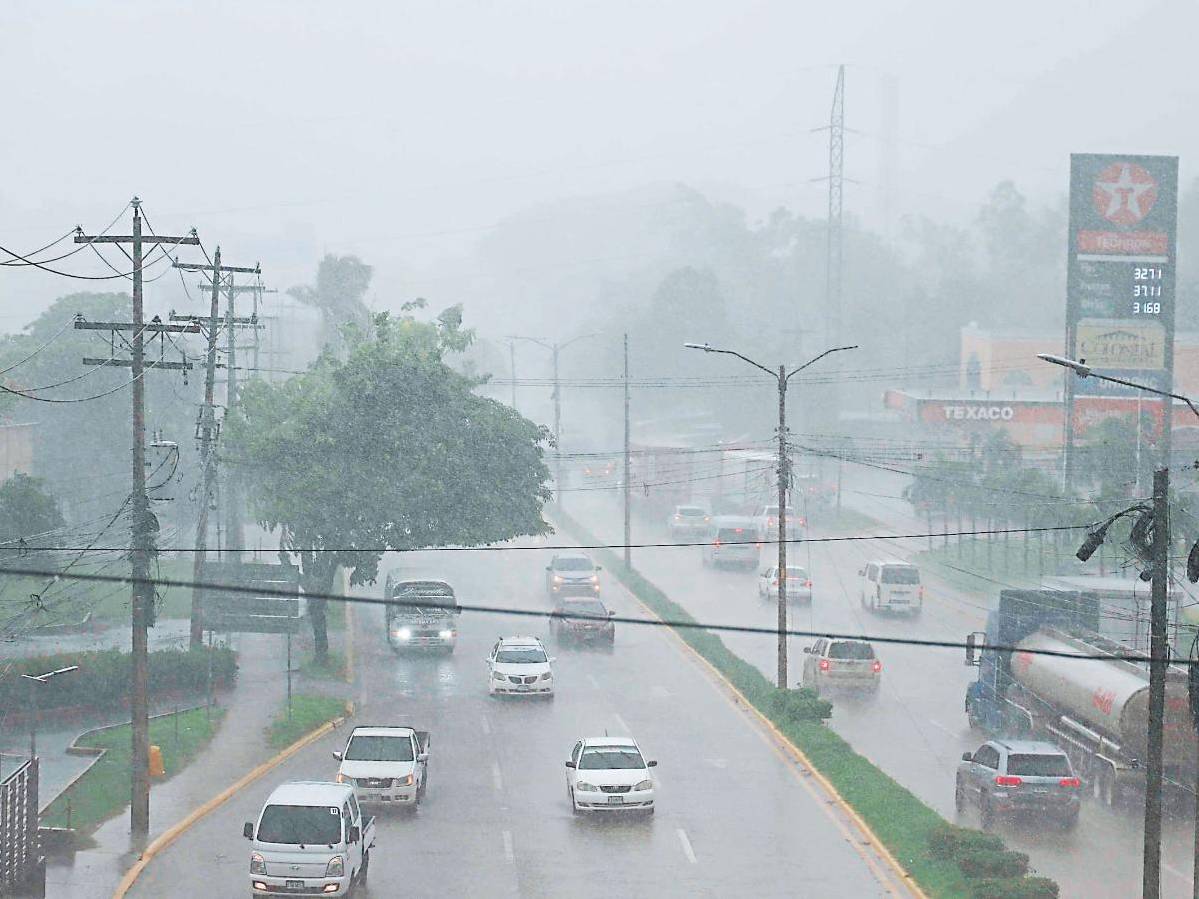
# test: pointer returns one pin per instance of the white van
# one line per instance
(892, 586)
(732, 540)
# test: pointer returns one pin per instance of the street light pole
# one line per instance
(1158, 660)
(34, 710)
(782, 378)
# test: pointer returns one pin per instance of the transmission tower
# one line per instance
(836, 183)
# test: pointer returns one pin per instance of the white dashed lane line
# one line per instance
(686, 844)
(486, 726)
(509, 854)
(496, 778)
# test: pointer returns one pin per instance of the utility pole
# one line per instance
(628, 529)
(836, 184)
(143, 526)
(1158, 663)
(233, 528)
(512, 368)
(206, 431)
(782, 378)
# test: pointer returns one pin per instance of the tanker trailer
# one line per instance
(1096, 710)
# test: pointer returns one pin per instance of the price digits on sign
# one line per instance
(1147, 286)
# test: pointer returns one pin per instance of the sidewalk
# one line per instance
(239, 745)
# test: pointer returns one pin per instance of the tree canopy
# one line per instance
(27, 511)
(388, 448)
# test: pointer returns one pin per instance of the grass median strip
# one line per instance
(307, 713)
(900, 820)
(103, 790)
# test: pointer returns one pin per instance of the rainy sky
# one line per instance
(404, 132)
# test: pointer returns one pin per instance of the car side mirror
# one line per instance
(247, 831)
(337, 754)
(549, 567)
(599, 567)
(967, 757)
(807, 650)
(974, 647)
(861, 572)
(354, 834)
(611, 613)
(570, 764)
(422, 757)
(652, 764)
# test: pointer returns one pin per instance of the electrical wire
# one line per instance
(79, 249)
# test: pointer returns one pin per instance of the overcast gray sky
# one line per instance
(403, 131)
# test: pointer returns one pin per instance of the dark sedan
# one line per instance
(582, 620)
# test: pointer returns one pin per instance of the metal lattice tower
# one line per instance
(836, 179)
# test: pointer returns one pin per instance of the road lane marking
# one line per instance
(686, 843)
(496, 777)
(1183, 877)
(623, 726)
(661, 692)
(937, 724)
(717, 763)
(594, 682)
(509, 854)
(486, 726)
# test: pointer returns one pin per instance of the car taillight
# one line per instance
(877, 666)
(717, 543)
(807, 583)
(1070, 782)
(825, 665)
(1008, 780)
(922, 592)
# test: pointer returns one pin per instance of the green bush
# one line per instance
(1011, 888)
(798, 705)
(102, 681)
(983, 863)
(948, 841)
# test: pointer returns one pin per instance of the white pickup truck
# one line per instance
(311, 839)
(386, 764)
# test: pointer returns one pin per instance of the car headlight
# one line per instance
(446, 635)
(586, 787)
(645, 785)
(404, 781)
(595, 578)
(547, 676)
(336, 867)
(404, 633)
(257, 864)
(557, 578)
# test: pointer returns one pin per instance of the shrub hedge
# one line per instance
(930, 849)
(102, 681)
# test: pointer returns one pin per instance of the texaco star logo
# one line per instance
(1124, 193)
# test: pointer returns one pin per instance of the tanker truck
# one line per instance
(1096, 710)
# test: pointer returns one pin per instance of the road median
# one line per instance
(902, 827)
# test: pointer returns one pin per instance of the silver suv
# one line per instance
(1012, 776)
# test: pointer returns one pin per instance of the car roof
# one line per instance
(558, 556)
(310, 792)
(833, 640)
(1030, 747)
(610, 741)
(521, 641)
(900, 562)
(382, 730)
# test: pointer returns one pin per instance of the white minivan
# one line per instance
(732, 540)
(891, 586)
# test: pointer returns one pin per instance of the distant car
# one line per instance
(767, 518)
(582, 619)
(572, 574)
(520, 666)
(732, 540)
(1012, 776)
(599, 468)
(841, 664)
(386, 765)
(688, 521)
(799, 584)
(891, 586)
(609, 774)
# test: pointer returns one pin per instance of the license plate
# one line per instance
(522, 687)
(294, 884)
(615, 800)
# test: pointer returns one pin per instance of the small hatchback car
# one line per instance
(1011, 776)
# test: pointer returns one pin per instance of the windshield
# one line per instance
(598, 758)
(379, 749)
(530, 656)
(1029, 765)
(573, 564)
(846, 649)
(900, 574)
(592, 608)
(300, 825)
(690, 512)
(737, 535)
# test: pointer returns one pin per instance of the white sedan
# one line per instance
(520, 666)
(609, 774)
(799, 584)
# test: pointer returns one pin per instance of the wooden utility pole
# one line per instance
(206, 431)
(144, 525)
(628, 529)
(1158, 665)
(233, 528)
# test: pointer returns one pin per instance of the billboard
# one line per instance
(1120, 275)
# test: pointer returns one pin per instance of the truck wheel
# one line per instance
(366, 869)
(986, 814)
(959, 797)
(1069, 822)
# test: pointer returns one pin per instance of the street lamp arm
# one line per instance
(536, 340)
(1085, 371)
(821, 356)
(563, 346)
(712, 349)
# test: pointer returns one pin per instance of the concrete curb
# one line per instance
(172, 833)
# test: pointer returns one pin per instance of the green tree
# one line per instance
(389, 447)
(339, 295)
(28, 512)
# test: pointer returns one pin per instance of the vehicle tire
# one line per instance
(1105, 787)
(366, 870)
(1069, 822)
(578, 812)
(986, 814)
(862, 598)
(959, 797)
(649, 812)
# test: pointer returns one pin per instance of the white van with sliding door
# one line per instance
(889, 585)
